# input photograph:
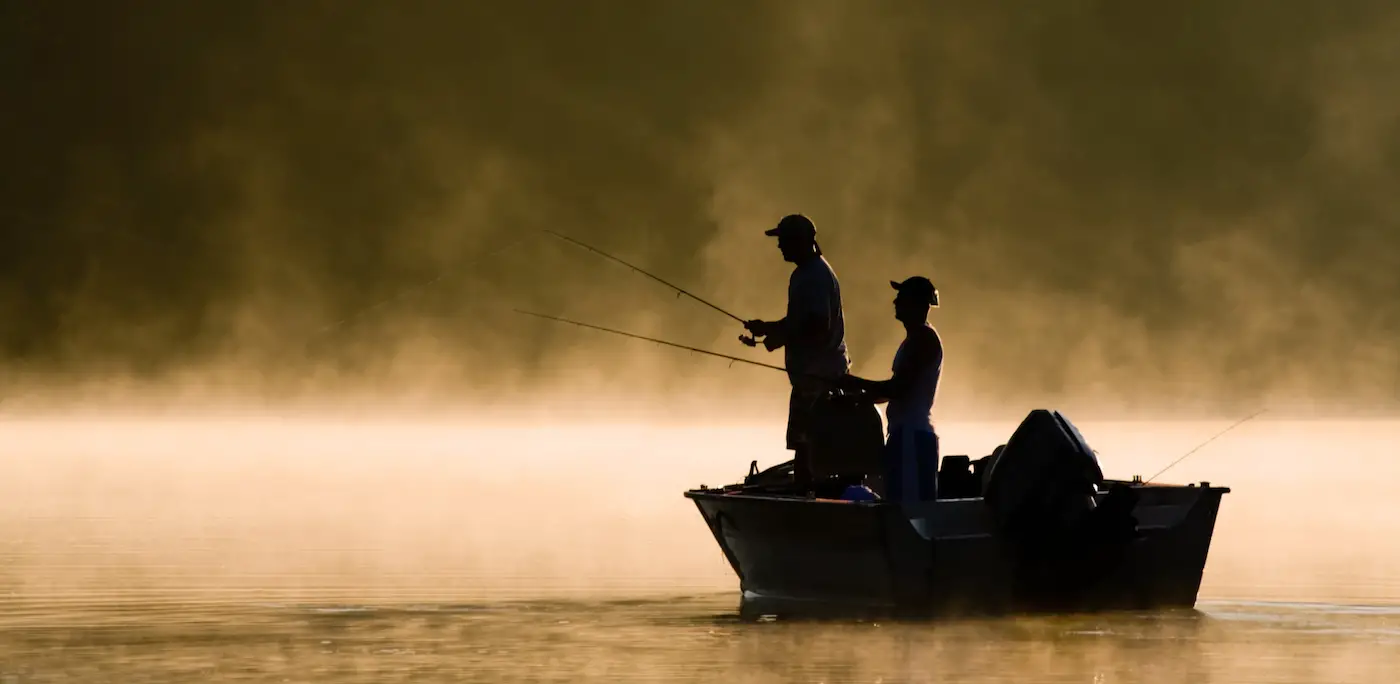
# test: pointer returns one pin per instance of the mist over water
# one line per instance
(267, 412)
(316, 549)
(258, 504)
(1125, 207)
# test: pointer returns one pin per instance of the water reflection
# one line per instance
(692, 638)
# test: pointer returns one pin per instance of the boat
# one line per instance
(1033, 527)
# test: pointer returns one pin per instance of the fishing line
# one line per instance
(654, 340)
(677, 288)
(1237, 423)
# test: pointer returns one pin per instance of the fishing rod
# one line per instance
(1236, 424)
(677, 288)
(652, 339)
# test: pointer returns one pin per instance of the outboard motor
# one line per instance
(1040, 492)
(1046, 474)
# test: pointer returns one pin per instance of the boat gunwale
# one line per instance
(737, 490)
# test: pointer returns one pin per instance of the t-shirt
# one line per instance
(814, 291)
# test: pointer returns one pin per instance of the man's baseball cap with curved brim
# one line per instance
(793, 226)
(919, 288)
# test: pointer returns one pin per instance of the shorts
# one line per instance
(802, 404)
(911, 465)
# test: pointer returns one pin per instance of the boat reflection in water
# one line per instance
(1033, 527)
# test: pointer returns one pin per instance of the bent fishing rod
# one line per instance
(679, 290)
(1236, 424)
(707, 352)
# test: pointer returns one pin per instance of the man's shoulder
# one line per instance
(926, 341)
(816, 272)
(811, 273)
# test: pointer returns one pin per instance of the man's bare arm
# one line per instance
(880, 391)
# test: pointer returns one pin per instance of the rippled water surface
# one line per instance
(291, 551)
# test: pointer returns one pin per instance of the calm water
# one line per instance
(264, 550)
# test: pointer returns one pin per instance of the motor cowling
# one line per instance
(1044, 476)
(1040, 492)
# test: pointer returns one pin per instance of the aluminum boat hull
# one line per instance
(796, 555)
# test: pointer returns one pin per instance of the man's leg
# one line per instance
(892, 461)
(798, 439)
(802, 467)
(926, 446)
(911, 465)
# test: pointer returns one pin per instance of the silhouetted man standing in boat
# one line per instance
(911, 447)
(812, 334)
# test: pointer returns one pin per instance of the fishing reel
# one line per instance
(753, 341)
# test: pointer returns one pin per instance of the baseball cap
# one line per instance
(919, 288)
(794, 225)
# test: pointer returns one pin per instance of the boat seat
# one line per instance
(956, 479)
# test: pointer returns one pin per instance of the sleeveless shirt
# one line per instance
(914, 410)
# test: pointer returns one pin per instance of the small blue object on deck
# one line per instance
(859, 493)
